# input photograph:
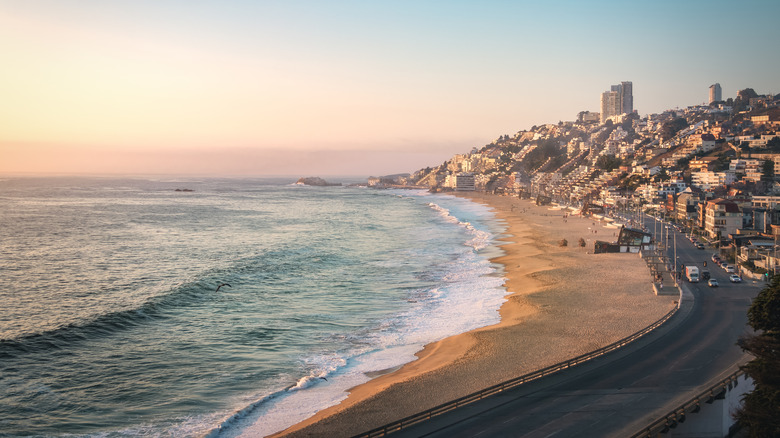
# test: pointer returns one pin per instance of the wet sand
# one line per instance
(565, 301)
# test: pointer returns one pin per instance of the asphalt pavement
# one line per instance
(620, 393)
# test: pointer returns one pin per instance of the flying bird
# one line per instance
(223, 284)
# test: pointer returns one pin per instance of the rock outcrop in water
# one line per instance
(316, 181)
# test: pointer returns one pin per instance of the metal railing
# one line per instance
(509, 384)
(678, 415)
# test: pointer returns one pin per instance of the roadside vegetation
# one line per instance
(760, 411)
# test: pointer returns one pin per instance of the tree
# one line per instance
(671, 128)
(663, 175)
(746, 94)
(608, 162)
(768, 170)
(760, 411)
(774, 144)
(722, 163)
(545, 149)
(683, 162)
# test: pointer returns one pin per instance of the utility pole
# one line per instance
(655, 227)
(675, 260)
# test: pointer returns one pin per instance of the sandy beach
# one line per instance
(563, 302)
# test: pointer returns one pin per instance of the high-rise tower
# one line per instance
(619, 100)
(627, 97)
(716, 94)
(609, 104)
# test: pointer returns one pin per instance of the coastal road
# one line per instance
(620, 393)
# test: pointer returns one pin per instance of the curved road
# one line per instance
(622, 392)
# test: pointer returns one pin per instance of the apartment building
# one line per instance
(702, 164)
(619, 100)
(716, 93)
(465, 182)
(721, 217)
(707, 180)
(685, 207)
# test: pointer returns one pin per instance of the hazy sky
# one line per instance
(344, 87)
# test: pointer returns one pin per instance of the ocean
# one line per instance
(111, 324)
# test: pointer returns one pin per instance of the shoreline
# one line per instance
(553, 311)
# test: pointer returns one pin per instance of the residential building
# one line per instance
(775, 158)
(706, 143)
(702, 164)
(450, 181)
(707, 180)
(619, 100)
(588, 117)
(626, 90)
(685, 206)
(716, 93)
(671, 187)
(770, 118)
(465, 182)
(748, 170)
(721, 218)
(609, 105)
(770, 202)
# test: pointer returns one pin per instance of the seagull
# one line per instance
(223, 284)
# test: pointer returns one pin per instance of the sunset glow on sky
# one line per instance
(343, 87)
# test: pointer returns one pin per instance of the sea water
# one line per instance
(111, 323)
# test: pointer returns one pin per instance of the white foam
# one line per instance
(465, 298)
(480, 240)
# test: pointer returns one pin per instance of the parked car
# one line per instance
(734, 278)
(724, 265)
(715, 258)
(731, 269)
(712, 283)
(700, 245)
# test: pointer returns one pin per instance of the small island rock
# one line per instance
(316, 181)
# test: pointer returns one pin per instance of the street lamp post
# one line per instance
(674, 274)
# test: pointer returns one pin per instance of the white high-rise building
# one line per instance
(609, 105)
(619, 100)
(716, 94)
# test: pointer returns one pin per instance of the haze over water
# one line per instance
(111, 324)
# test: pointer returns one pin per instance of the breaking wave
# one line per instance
(480, 239)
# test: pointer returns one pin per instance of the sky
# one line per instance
(318, 88)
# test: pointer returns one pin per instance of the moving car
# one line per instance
(734, 278)
(715, 258)
(712, 283)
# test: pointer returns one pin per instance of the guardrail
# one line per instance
(678, 414)
(509, 384)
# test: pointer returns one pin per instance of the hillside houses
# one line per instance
(700, 165)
